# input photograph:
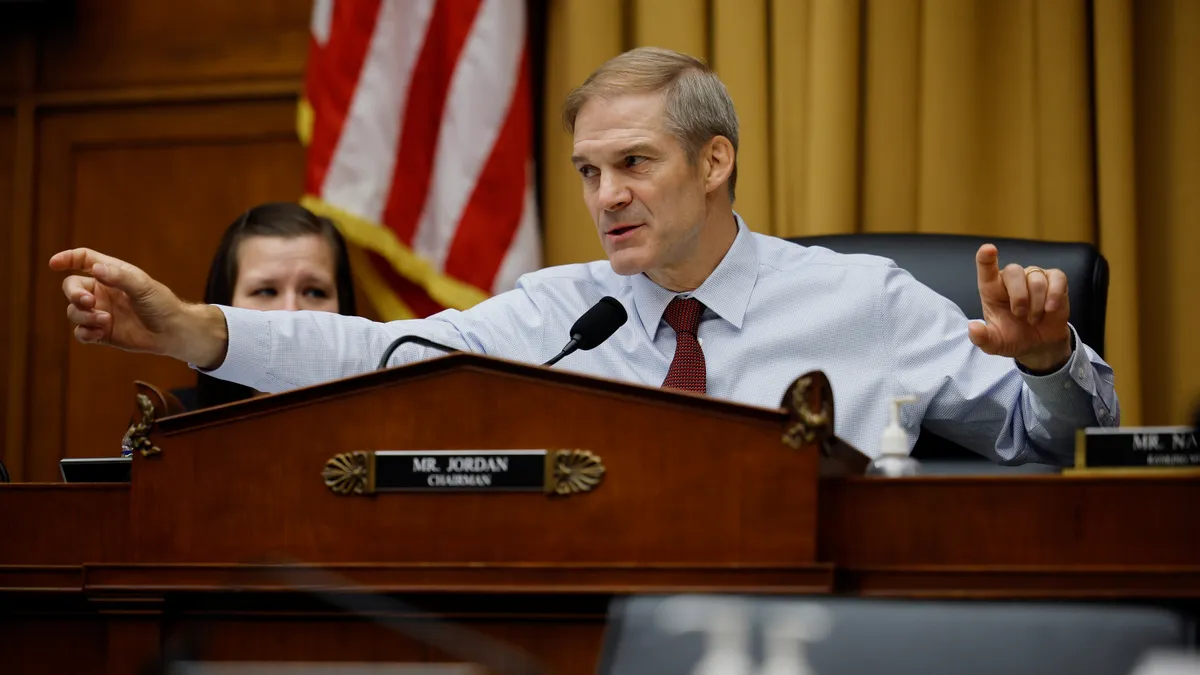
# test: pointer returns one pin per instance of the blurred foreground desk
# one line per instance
(642, 491)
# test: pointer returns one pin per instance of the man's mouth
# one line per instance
(622, 229)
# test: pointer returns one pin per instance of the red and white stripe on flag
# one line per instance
(418, 120)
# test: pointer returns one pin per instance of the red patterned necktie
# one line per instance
(687, 370)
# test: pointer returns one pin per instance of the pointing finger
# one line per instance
(121, 275)
(79, 260)
(987, 265)
(106, 269)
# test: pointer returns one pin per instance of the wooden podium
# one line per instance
(639, 490)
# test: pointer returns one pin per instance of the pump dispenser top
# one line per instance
(894, 459)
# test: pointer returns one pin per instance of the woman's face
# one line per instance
(289, 273)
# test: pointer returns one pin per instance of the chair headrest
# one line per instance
(668, 635)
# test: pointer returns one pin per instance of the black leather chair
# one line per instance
(946, 263)
(671, 635)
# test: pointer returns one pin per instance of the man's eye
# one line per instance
(317, 293)
(266, 292)
(587, 171)
(634, 160)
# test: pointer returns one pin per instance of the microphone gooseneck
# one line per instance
(594, 327)
(571, 346)
(589, 331)
(404, 339)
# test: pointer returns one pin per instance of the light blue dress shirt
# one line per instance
(775, 310)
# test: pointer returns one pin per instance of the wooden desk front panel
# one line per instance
(1026, 520)
(57, 524)
(687, 481)
(1029, 536)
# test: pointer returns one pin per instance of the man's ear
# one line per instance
(717, 159)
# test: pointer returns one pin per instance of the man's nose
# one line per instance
(291, 302)
(614, 193)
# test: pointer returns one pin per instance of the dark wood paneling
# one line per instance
(61, 525)
(1097, 537)
(290, 639)
(1026, 582)
(563, 645)
(1038, 521)
(7, 154)
(49, 578)
(143, 127)
(445, 577)
(14, 25)
(134, 640)
(20, 63)
(51, 644)
(121, 43)
(156, 186)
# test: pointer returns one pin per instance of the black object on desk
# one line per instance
(95, 469)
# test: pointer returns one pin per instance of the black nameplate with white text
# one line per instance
(509, 470)
(1146, 448)
(558, 473)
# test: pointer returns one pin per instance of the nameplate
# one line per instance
(1148, 449)
(557, 472)
(516, 470)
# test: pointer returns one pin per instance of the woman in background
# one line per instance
(275, 256)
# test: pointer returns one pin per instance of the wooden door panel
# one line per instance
(155, 186)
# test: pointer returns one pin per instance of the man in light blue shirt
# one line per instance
(655, 144)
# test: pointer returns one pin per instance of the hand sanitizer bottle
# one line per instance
(893, 460)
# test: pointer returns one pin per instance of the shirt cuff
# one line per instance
(1066, 385)
(248, 354)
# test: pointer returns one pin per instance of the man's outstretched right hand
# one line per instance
(112, 302)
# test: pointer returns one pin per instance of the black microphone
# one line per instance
(595, 326)
(404, 339)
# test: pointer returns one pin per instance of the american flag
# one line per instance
(418, 121)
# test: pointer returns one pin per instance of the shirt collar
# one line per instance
(726, 291)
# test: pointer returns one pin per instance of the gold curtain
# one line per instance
(1056, 119)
